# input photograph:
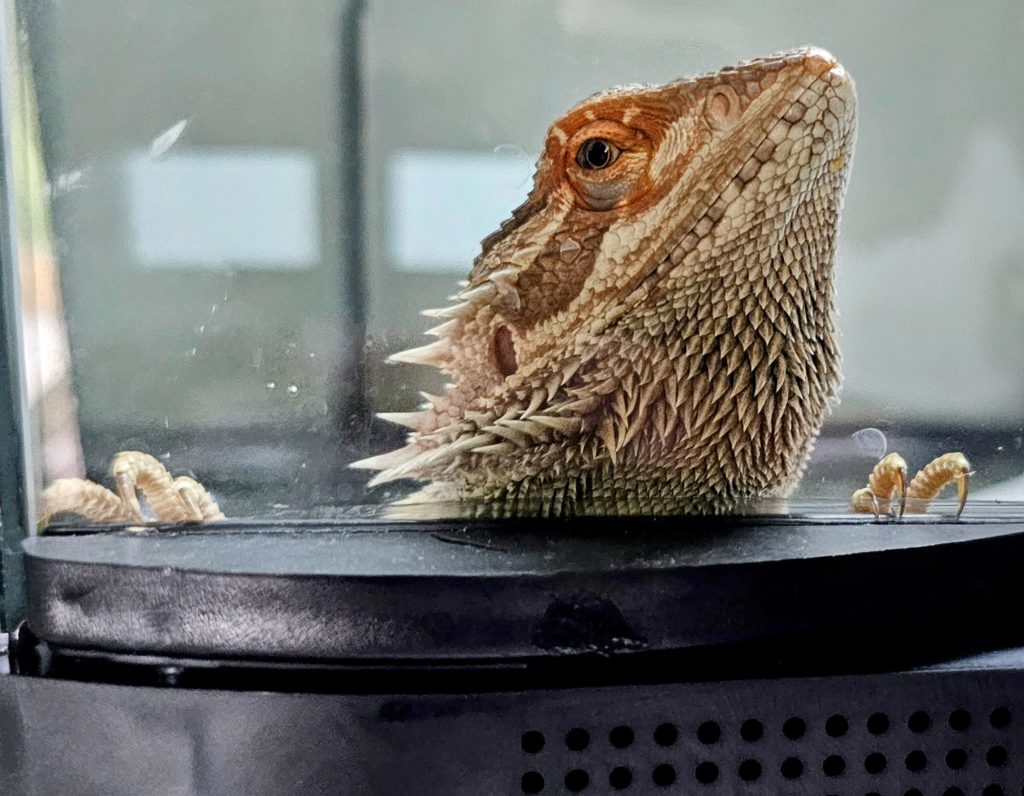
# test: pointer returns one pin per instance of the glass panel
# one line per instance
(232, 213)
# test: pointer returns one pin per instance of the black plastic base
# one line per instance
(957, 729)
(678, 655)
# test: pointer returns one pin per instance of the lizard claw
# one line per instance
(961, 486)
(863, 501)
(181, 499)
(962, 482)
(888, 477)
(931, 479)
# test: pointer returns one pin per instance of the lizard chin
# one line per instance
(668, 346)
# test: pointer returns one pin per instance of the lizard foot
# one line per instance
(888, 479)
(181, 499)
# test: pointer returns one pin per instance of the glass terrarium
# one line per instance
(224, 228)
(224, 220)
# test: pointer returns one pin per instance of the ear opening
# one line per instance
(505, 351)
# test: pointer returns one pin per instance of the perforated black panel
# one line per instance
(902, 735)
(929, 733)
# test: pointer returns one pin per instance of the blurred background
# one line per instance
(229, 213)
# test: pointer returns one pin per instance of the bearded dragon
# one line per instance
(652, 330)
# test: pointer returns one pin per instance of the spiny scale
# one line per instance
(653, 332)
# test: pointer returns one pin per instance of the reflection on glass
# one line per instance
(215, 209)
(433, 227)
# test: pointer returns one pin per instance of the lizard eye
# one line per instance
(596, 153)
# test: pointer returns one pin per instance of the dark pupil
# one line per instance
(596, 154)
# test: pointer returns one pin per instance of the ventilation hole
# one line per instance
(913, 792)
(750, 770)
(620, 778)
(792, 768)
(959, 720)
(834, 766)
(577, 780)
(956, 759)
(532, 782)
(794, 728)
(916, 760)
(836, 726)
(663, 775)
(706, 772)
(878, 724)
(1000, 718)
(954, 791)
(621, 737)
(709, 732)
(751, 730)
(996, 756)
(875, 763)
(992, 790)
(919, 721)
(533, 741)
(577, 739)
(666, 734)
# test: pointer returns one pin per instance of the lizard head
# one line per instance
(658, 311)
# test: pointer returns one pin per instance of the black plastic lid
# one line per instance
(496, 590)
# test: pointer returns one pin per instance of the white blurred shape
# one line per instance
(225, 209)
(444, 203)
(947, 299)
(167, 139)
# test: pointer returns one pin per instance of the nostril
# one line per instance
(819, 60)
(505, 351)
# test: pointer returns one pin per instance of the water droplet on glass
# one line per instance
(1000, 448)
(312, 354)
(202, 328)
(271, 385)
(193, 353)
(569, 250)
(213, 310)
(292, 389)
(870, 441)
